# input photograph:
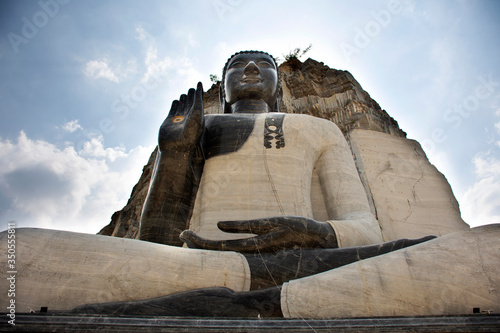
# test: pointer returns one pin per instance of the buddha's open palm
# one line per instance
(183, 127)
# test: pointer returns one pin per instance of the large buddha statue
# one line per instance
(250, 163)
(254, 212)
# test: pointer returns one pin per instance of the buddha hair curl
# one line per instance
(226, 107)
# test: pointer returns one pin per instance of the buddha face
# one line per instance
(251, 76)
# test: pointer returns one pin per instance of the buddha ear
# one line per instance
(221, 98)
(225, 107)
(279, 97)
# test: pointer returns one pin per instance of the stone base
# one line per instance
(60, 323)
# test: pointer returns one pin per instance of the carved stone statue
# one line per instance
(257, 164)
(277, 222)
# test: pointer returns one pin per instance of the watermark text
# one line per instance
(11, 272)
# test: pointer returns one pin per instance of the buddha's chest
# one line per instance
(266, 171)
(260, 135)
(272, 154)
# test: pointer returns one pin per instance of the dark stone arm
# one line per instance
(177, 171)
(171, 196)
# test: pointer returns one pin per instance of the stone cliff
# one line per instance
(308, 88)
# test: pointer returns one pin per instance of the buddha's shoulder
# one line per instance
(233, 122)
(230, 118)
(307, 122)
(300, 122)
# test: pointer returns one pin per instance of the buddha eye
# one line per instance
(237, 64)
(265, 64)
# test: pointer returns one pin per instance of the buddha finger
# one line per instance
(270, 242)
(198, 99)
(182, 103)
(252, 244)
(256, 226)
(190, 99)
(174, 109)
(194, 241)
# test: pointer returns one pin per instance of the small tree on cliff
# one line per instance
(297, 53)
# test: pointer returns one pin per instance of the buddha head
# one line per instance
(250, 76)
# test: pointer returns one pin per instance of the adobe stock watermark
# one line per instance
(455, 115)
(121, 107)
(372, 29)
(48, 10)
(224, 6)
(11, 272)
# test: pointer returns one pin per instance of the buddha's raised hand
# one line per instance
(183, 127)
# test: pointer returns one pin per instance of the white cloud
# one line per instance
(95, 148)
(44, 186)
(130, 68)
(141, 33)
(155, 67)
(98, 69)
(481, 202)
(188, 37)
(187, 72)
(487, 166)
(71, 126)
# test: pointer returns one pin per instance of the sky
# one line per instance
(85, 85)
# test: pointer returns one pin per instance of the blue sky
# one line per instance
(85, 85)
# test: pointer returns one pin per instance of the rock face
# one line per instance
(125, 222)
(317, 90)
(409, 196)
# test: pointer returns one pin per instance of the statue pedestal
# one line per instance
(63, 323)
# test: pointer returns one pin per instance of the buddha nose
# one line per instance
(251, 68)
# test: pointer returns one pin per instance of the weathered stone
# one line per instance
(452, 274)
(315, 89)
(61, 270)
(409, 196)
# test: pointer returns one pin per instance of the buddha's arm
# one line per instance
(345, 199)
(177, 172)
(168, 206)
